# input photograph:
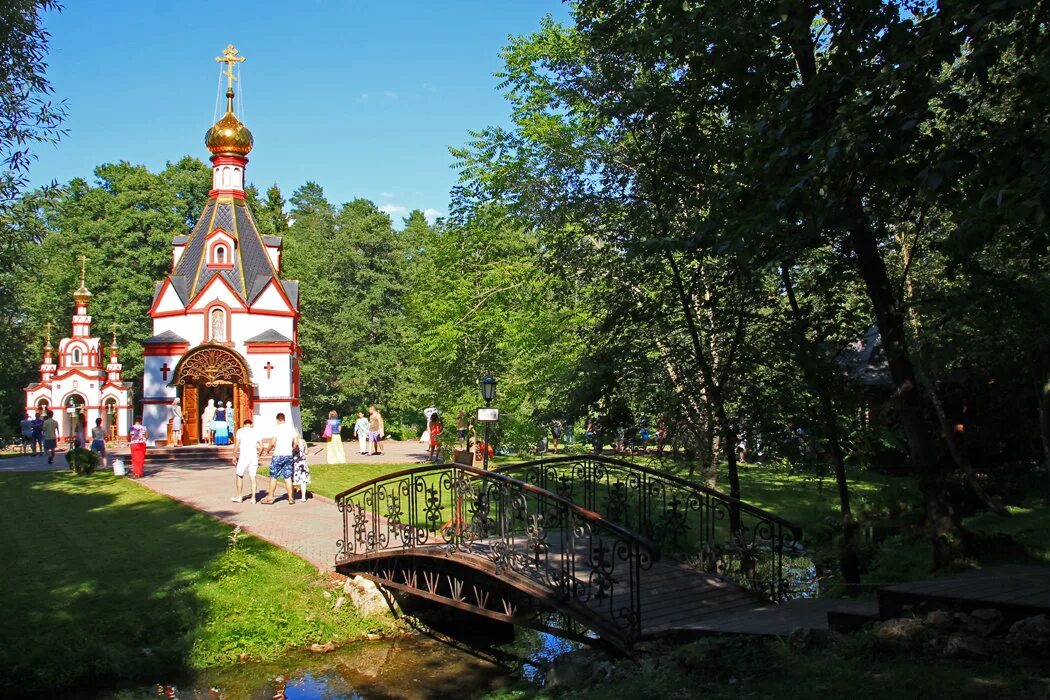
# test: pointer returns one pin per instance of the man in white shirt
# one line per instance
(281, 445)
(246, 459)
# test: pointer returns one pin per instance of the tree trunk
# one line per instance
(1043, 387)
(945, 526)
(726, 431)
(849, 557)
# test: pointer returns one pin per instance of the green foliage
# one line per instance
(350, 265)
(109, 582)
(82, 461)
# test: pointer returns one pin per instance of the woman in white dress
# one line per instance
(176, 424)
(207, 416)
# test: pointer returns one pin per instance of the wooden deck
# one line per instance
(1017, 591)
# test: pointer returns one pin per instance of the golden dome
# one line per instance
(82, 295)
(228, 136)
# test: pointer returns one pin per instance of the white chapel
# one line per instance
(225, 324)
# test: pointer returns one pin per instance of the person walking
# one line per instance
(49, 429)
(375, 430)
(38, 434)
(435, 435)
(300, 469)
(139, 436)
(176, 424)
(282, 444)
(557, 427)
(333, 428)
(25, 427)
(247, 459)
(461, 429)
(361, 433)
(80, 435)
(221, 427)
(207, 416)
(98, 440)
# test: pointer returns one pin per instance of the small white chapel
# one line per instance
(225, 323)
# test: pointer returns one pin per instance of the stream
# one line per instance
(416, 667)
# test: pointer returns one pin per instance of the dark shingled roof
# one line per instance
(251, 269)
(272, 240)
(864, 360)
(269, 336)
(165, 337)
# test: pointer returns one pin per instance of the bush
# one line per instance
(83, 461)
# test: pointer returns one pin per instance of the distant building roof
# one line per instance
(864, 360)
(165, 337)
(269, 336)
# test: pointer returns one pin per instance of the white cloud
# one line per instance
(389, 93)
(363, 97)
(386, 195)
(392, 209)
(431, 214)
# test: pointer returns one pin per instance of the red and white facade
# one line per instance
(75, 381)
(225, 324)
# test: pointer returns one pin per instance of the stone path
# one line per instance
(308, 529)
(29, 463)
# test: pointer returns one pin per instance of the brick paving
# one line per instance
(308, 529)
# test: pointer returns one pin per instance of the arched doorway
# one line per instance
(75, 412)
(211, 371)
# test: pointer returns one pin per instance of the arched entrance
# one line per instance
(75, 409)
(211, 371)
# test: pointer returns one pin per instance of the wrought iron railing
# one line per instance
(714, 532)
(518, 529)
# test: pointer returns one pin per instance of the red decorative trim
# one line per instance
(160, 295)
(280, 290)
(217, 279)
(70, 371)
(270, 348)
(236, 194)
(229, 160)
(165, 349)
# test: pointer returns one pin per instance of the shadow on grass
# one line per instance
(100, 581)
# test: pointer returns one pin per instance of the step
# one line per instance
(1016, 591)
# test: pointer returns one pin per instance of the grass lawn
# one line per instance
(801, 499)
(106, 580)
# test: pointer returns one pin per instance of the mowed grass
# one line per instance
(107, 581)
(809, 502)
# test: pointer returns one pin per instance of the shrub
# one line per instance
(83, 461)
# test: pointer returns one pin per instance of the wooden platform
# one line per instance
(769, 620)
(1017, 591)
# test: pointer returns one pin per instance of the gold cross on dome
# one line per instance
(114, 329)
(47, 332)
(229, 57)
(83, 262)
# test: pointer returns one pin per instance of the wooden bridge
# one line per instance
(618, 548)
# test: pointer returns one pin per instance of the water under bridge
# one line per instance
(618, 548)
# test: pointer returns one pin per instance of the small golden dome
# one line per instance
(82, 295)
(228, 136)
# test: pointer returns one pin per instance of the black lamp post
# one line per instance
(488, 392)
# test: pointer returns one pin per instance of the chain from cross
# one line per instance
(229, 57)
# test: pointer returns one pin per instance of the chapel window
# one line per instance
(76, 356)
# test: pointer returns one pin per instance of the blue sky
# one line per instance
(362, 97)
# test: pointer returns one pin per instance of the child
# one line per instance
(300, 469)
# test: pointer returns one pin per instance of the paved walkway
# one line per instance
(308, 529)
(29, 463)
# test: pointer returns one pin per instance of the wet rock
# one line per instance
(1030, 635)
(367, 598)
(941, 622)
(906, 632)
(323, 648)
(965, 646)
(807, 638)
(986, 622)
(577, 669)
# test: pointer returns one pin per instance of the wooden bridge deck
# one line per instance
(673, 595)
